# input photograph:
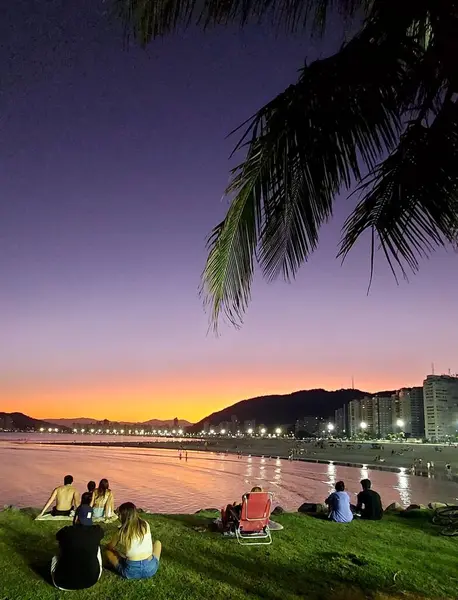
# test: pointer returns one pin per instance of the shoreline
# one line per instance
(350, 454)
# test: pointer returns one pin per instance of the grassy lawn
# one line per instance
(393, 558)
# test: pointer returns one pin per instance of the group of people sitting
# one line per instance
(369, 504)
(131, 552)
(66, 498)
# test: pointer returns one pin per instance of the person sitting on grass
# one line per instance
(91, 485)
(79, 563)
(66, 498)
(230, 516)
(140, 557)
(103, 500)
(369, 503)
(339, 505)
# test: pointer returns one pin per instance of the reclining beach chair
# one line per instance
(253, 526)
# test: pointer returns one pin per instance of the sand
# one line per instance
(393, 455)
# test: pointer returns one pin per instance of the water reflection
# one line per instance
(331, 472)
(156, 479)
(403, 487)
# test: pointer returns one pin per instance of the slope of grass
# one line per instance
(310, 558)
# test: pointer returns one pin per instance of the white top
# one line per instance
(141, 547)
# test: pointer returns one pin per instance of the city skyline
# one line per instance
(112, 167)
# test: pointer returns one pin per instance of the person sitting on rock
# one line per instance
(369, 503)
(339, 505)
(66, 498)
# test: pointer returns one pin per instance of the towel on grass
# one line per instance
(49, 517)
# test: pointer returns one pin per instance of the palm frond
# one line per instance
(149, 19)
(302, 148)
(229, 269)
(412, 203)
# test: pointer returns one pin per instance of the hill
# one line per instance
(78, 421)
(286, 409)
(20, 422)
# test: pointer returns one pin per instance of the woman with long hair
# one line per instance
(139, 557)
(103, 500)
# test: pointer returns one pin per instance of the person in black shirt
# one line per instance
(79, 564)
(369, 502)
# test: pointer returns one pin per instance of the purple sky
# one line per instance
(113, 164)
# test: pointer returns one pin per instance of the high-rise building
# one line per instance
(354, 417)
(411, 411)
(440, 396)
(341, 421)
(368, 414)
(382, 409)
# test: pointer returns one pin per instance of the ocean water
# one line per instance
(159, 481)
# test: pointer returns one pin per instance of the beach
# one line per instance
(390, 455)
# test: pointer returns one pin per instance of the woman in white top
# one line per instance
(103, 500)
(140, 557)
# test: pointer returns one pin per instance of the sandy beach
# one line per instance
(391, 456)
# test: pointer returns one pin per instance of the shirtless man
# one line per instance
(66, 497)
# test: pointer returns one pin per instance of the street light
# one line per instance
(363, 425)
(263, 430)
(223, 431)
(278, 431)
(330, 427)
(180, 432)
(249, 431)
(400, 423)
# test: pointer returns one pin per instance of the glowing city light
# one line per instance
(223, 431)
(363, 425)
(180, 432)
(400, 423)
(263, 430)
(250, 431)
(278, 431)
(331, 427)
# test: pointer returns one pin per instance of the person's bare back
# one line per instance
(65, 496)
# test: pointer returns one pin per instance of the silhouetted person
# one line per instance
(369, 502)
(79, 563)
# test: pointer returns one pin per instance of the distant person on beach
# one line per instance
(79, 563)
(369, 503)
(339, 505)
(103, 500)
(66, 498)
(140, 557)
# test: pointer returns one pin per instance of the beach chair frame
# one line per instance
(262, 536)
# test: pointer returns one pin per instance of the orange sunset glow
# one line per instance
(188, 396)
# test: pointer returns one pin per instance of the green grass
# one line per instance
(393, 558)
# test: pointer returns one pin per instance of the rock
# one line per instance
(435, 505)
(394, 507)
(11, 507)
(278, 510)
(308, 507)
(416, 507)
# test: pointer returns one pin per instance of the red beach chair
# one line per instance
(253, 527)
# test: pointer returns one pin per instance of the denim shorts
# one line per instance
(138, 569)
